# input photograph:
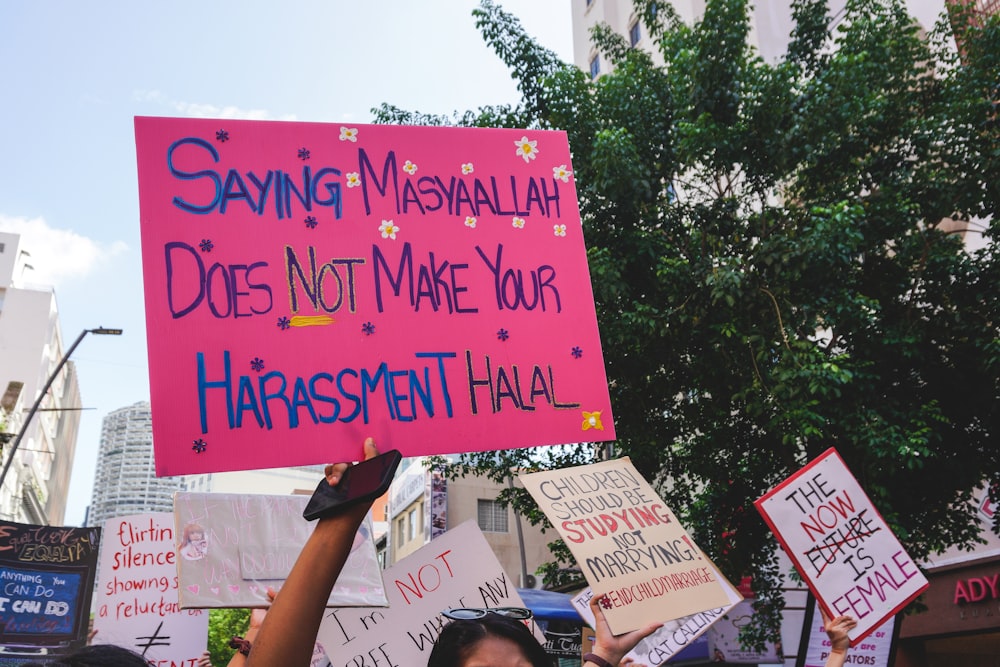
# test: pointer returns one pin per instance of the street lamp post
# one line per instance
(41, 395)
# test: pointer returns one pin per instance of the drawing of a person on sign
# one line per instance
(194, 544)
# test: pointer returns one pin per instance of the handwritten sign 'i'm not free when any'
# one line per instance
(841, 545)
(309, 284)
(457, 569)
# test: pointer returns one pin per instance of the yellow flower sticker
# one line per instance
(527, 149)
(592, 420)
(388, 229)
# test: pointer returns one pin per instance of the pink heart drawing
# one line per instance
(193, 588)
(234, 589)
(214, 589)
(253, 589)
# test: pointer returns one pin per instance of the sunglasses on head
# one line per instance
(472, 613)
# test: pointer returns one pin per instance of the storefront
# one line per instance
(961, 625)
(558, 620)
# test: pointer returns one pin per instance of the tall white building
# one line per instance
(31, 346)
(126, 481)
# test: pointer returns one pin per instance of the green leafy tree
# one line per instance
(775, 263)
(223, 625)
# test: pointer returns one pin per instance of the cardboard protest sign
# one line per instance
(724, 639)
(457, 569)
(309, 284)
(46, 584)
(136, 597)
(628, 543)
(874, 651)
(231, 547)
(841, 545)
(676, 634)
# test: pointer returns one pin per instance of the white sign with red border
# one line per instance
(841, 545)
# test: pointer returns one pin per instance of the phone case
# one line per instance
(361, 482)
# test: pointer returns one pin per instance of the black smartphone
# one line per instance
(361, 482)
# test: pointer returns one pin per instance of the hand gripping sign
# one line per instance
(628, 543)
(840, 544)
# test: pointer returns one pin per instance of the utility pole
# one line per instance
(101, 331)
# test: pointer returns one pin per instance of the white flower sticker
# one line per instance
(562, 173)
(353, 179)
(518, 222)
(348, 133)
(559, 230)
(527, 149)
(467, 168)
(409, 168)
(388, 229)
(470, 222)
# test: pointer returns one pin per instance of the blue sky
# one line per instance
(74, 75)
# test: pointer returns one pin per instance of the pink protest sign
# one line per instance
(841, 545)
(311, 284)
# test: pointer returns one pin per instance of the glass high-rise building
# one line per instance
(126, 482)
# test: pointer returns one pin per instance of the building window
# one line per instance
(492, 517)
(412, 520)
(401, 530)
(986, 7)
(634, 33)
(595, 67)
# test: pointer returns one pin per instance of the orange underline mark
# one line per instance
(311, 320)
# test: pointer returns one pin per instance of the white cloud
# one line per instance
(198, 110)
(57, 255)
(148, 96)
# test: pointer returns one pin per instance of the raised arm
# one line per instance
(609, 649)
(837, 630)
(289, 630)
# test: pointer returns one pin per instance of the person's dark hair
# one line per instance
(458, 638)
(100, 655)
